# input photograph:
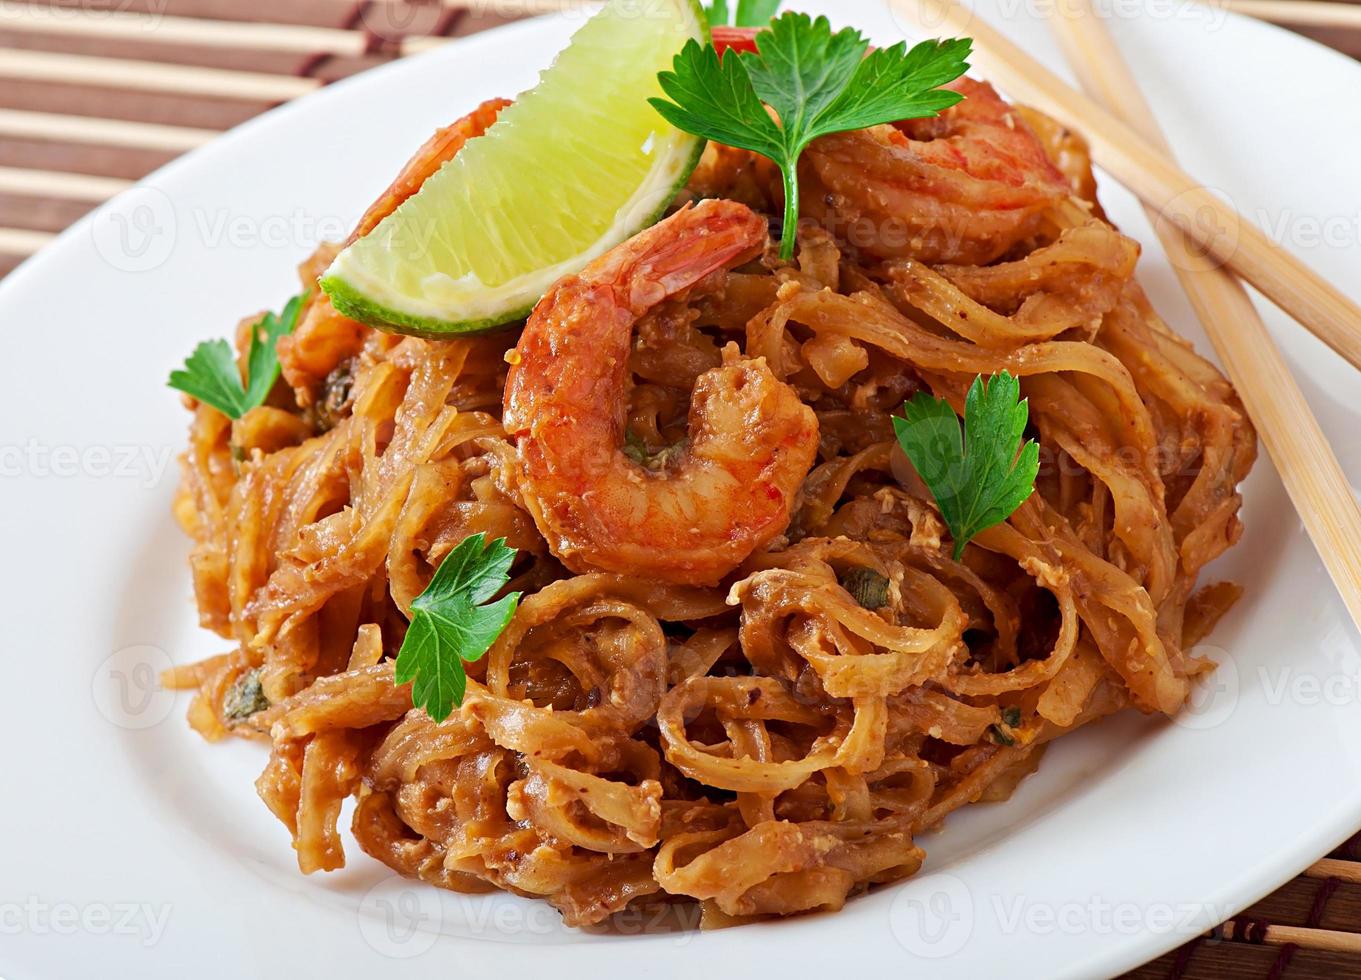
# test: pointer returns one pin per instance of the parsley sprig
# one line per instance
(979, 475)
(817, 82)
(750, 13)
(210, 373)
(452, 621)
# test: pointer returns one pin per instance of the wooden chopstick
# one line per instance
(1302, 13)
(1303, 457)
(1329, 940)
(1349, 871)
(1213, 225)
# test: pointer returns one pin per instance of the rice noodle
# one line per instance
(770, 745)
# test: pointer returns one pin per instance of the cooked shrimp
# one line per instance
(963, 187)
(325, 338)
(695, 517)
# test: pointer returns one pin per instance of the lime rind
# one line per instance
(495, 227)
(355, 305)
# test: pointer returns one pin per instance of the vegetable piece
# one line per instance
(451, 623)
(337, 391)
(210, 373)
(245, 697)
(980, 476)
(866, 586)
(1001, 733)
(818, 82)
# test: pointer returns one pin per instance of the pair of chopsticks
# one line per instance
(1126, 141)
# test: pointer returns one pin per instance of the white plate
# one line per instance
(130, 847)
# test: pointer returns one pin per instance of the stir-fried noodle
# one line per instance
(746, 671)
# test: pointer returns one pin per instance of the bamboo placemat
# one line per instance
(95, 94)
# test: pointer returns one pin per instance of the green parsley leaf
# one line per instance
(451, 624)
(899, 83)
(978, 476)
(713, 98)
(750, 13)
(210, 373)
(756, 13)
(818, 82)
(800, 68)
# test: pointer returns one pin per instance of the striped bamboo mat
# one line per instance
(95, 94)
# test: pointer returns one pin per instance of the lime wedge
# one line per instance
(575, 166)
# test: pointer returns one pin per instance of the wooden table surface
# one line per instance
(95, 94)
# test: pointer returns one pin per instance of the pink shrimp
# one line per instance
(963, 187)
(751, 439)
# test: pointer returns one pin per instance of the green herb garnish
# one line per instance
(451, 624)
(866, 586)
(979, 475)
(750, 13)
(818, 82)
(1011, 719)
(635, 448)
(244, 697)
(210, 373)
